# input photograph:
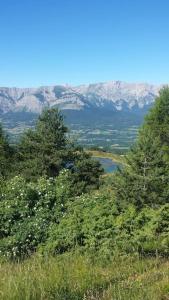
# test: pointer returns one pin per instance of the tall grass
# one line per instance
(72, 277)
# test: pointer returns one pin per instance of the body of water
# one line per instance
(108, 165)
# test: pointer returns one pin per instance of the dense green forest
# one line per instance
(83, 235)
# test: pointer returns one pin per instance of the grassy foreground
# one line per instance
(78, 278)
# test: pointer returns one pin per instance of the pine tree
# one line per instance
(46, 150)
(5, 154)
(145, 180)
(85, 173)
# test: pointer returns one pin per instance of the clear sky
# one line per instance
(46, 42)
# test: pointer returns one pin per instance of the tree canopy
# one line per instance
(5, 154)
(47, 149)
(145, 180)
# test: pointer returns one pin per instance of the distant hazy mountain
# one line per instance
(114, 95)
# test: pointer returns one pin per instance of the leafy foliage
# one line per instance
(58, 205)
(145, 180)
(26, 211)
(46, 150)
(43, 151)
(96, 225)
(5, 154)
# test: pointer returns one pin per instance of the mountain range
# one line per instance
(114, 95)
(107, 114)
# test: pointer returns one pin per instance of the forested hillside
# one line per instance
(91, 236)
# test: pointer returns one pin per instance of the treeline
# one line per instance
(53, 199)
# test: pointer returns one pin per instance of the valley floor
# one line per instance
(75, 277)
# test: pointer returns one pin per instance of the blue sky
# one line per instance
(46, 42)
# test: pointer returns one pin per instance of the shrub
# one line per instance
(27, 209)
(94, 224)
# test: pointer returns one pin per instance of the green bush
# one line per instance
(48, 217)
(27, 209)
(94, 224)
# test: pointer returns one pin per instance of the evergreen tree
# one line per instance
(145, 180)
(85, 173)
(5, 154)
(46, 150)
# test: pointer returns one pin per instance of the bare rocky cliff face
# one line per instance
(114, 95)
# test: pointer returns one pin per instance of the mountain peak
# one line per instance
(116, 95)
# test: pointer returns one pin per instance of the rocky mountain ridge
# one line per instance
(115, 95)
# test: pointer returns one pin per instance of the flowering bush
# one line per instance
(48, 217)
(28, 209)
